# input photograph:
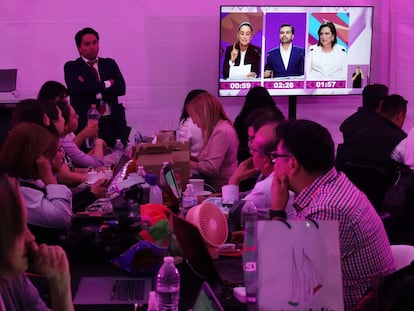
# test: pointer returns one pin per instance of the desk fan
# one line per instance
(211, 223)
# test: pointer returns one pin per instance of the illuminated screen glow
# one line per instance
(322, 73)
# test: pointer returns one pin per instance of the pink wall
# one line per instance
(166, 48)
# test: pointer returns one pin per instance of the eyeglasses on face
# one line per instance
(274, 155)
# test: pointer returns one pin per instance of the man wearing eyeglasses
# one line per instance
(304, 163)
(260, 147)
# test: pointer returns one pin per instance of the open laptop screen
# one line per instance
(172, 181)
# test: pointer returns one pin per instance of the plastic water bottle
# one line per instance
(155, 194)
(249, 222)
(119, 149)
(93, 117)
(138, 138)
(189, 199)
(248, 212)
(129, 150)
(168, 286)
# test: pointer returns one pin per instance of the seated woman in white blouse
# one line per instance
(327, 60)
(187, 130)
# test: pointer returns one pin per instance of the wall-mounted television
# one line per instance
(295, 50)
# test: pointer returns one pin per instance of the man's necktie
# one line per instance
(100, 105)
(95, 72)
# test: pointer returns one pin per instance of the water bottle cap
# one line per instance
(151, 179)
(168, 259)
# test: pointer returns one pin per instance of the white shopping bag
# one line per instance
(299, 266)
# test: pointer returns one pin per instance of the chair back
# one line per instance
(403, 255)
(372, 180)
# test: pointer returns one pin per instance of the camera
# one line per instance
(137, 192)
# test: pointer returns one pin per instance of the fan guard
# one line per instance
(211, 222)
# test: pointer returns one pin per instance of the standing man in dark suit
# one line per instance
(286, 59)
(95, 80)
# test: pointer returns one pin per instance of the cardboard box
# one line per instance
(151, 157)
(166, 136)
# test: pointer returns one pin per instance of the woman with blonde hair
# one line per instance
(218, 156)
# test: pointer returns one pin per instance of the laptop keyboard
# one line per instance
(128, 290)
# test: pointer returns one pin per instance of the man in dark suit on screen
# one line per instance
(286, 59)
(95, 80)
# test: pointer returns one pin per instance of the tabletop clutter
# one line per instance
(129, 227)
(132, 230)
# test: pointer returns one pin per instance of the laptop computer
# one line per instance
(120, 169)
(8, 80)
(225, 271)
(113, 290)
(207, 300)
(119, 172)
(172, 183)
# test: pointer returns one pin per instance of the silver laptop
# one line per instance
(113, 290)
(8, 80)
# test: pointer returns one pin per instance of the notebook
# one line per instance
(226, 271)
(113, 290)
(8, 80)
(207, 300)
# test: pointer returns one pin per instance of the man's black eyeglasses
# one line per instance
(274, 155)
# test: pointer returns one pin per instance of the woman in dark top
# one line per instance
(257, 97)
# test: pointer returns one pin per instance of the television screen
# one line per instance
(310, 50)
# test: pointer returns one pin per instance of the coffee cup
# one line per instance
(229, 194)
(198, 185)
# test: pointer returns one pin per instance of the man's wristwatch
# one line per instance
(280, 214)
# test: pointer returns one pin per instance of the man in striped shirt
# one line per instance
(304, 163)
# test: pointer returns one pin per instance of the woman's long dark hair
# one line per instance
(190, 96)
